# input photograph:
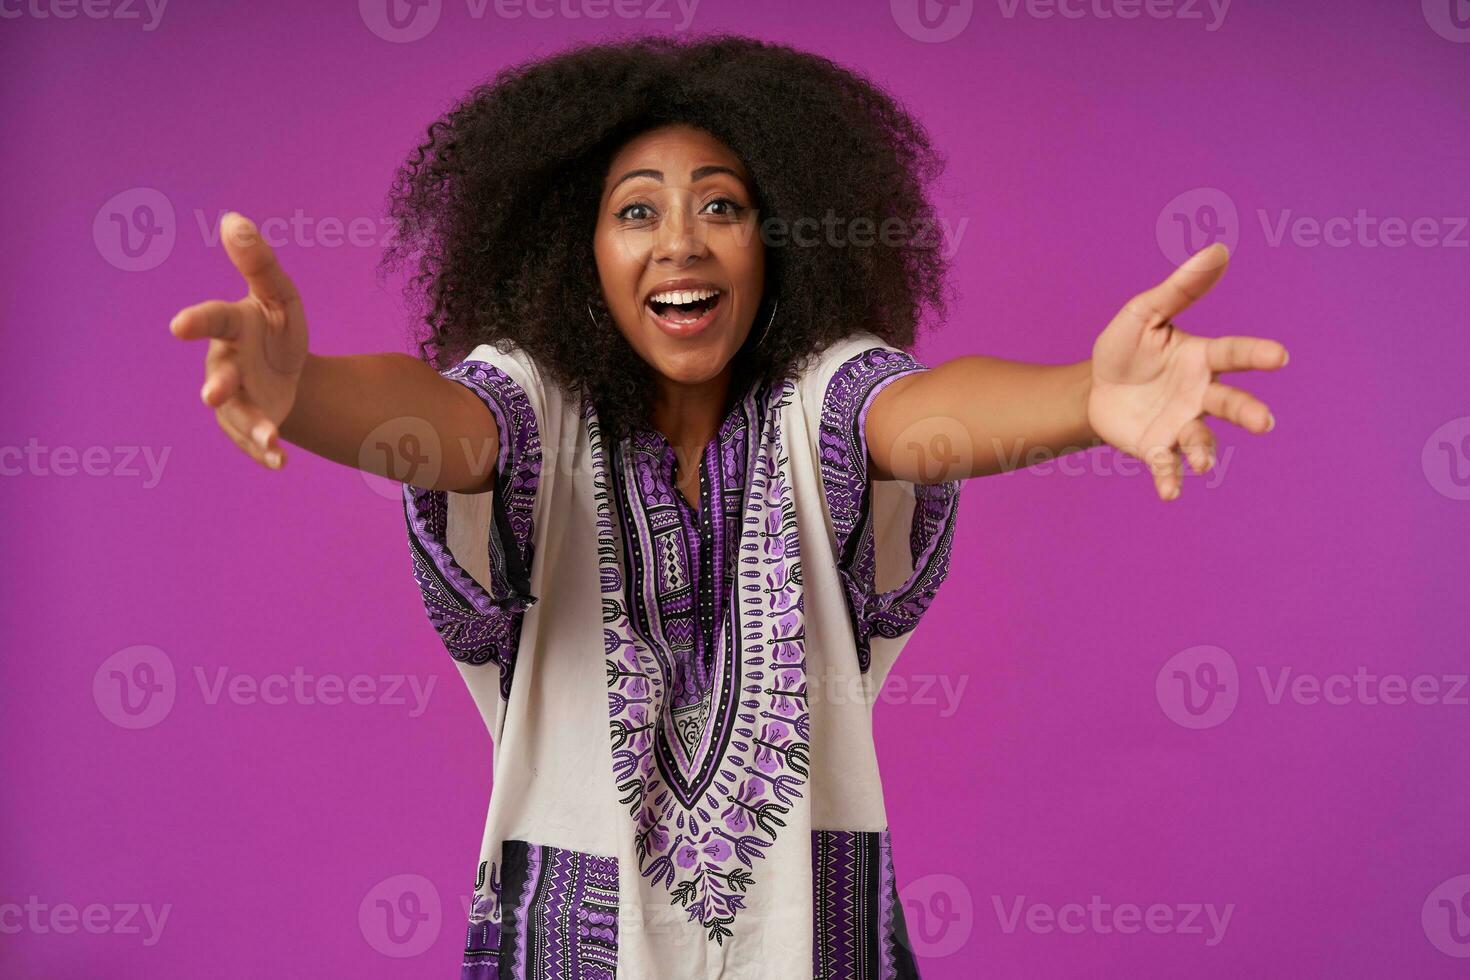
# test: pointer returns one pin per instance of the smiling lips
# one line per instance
(684, 308)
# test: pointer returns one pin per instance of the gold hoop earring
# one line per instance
(767, 331)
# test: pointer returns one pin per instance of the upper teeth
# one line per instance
(682, 296)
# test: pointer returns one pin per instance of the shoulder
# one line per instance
(838, 380)
(514, 362)
(817, 371)
(522, 376)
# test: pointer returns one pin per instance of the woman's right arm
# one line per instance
(392, 399)
(389, 414)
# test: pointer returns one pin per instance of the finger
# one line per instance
(1155, 307)
(230, 429)
(1242, 408)
(213, 318)
(1244, 354)
(1197, 443)
(221, 377)
(1163, 463)
(255, 260)
(254, 433)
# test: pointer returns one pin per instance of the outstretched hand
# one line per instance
(1152, 383)
(257, 345)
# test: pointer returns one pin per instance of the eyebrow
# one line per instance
(698, 175)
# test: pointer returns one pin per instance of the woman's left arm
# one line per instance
(1145, 391)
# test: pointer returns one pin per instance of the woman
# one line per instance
(669, 468)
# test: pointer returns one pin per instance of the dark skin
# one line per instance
(1145, 389)
(678, 204)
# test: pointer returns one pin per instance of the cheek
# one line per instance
(605, 255)
(746, 256)
(618, 269)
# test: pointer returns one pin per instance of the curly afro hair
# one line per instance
(496, 208)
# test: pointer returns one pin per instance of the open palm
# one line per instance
(1152, 383)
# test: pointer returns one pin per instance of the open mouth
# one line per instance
(684, 308)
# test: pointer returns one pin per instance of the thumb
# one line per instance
(1195, 277)
(255, 259)
(1153, 308)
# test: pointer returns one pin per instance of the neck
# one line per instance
(689, 415)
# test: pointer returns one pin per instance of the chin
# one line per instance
(691, 367)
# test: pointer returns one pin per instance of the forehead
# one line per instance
(674, 151)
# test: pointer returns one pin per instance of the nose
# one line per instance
(680, 238)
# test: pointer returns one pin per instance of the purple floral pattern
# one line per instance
(479, 625)
(703, 626)
(482, 940)
(680, 565)
(702, 839)
(844, 468)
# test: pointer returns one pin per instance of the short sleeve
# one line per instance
(472, 556)
(893, 537)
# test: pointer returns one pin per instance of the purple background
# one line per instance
(1337, 542)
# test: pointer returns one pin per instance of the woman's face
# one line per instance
(679, 258)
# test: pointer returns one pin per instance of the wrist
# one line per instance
(1087, 437)
(287, 427)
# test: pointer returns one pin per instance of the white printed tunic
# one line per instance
(680, 701)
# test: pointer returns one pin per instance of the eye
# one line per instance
(733, 210)
(624, 215)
